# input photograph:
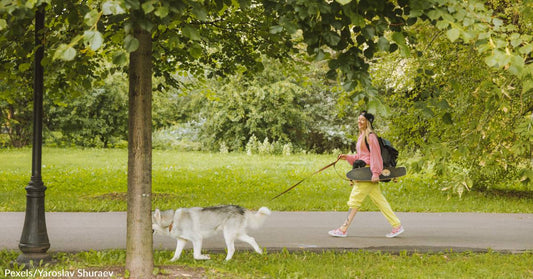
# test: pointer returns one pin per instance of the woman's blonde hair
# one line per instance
(368, 129)
(369, 119)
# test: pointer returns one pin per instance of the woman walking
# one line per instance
(368, 154)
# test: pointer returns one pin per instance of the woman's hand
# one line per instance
(342, 157)
(375, 179)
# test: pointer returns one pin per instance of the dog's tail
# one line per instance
(256, 220)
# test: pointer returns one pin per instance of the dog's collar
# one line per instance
(170, 226)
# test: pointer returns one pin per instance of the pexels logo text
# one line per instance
(30, 273)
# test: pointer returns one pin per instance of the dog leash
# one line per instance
(297, 183)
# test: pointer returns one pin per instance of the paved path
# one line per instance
(71, 231)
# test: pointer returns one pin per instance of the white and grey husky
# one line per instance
(196, 223)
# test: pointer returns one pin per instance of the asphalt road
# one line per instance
(424, 232)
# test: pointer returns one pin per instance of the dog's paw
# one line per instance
(202, 257)
(174, 259)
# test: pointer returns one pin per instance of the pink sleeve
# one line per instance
(352, 158)
(376, 162)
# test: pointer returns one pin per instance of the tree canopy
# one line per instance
(452, 79)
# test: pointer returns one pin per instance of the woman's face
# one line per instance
(362, 122)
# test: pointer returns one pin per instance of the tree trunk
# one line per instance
(139, 253)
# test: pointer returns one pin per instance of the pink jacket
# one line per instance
(371, 157)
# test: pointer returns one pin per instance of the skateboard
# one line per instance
(364, 174)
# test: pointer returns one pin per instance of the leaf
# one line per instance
(24, 67)
(453, 34)
(196, 51)
(332, 38)
(442, 24)
(383, 44)
(275, 29)
(133, 4)
(527, 86)
(245, 4)
(343, 2)
(131, 43)
(516, 40)
(93, 38)
(377, 107)
(120, 58)
(91, 18)
(319, 55)
(191, 33)
(3, 24)
(355, 17)
(497, 22)
(161, 12)
(516, 66)
(526, 49)
(146, 24)
(199, 12)
(399, 39)
(434, 14)
(491, 60)
(148, 7)
(112, 8)
(65, 52)
(502, 58)
(369, 32)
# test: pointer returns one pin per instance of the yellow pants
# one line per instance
(362, 189)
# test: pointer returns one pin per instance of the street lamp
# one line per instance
(34, 240)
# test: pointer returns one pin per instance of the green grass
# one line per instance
(348, 264)
(96, 180)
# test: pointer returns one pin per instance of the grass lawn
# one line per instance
(349, 264)
(96, 180)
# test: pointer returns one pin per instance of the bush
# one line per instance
(182, 137)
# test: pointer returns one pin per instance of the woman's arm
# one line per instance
(349, 158)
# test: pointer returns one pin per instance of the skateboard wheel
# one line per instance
(385, 172)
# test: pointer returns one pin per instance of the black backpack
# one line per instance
(389, 154)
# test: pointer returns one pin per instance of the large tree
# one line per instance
(162, 36)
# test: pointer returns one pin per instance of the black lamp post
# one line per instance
(34, 240)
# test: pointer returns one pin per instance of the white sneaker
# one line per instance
(395, 232)
(338, 233)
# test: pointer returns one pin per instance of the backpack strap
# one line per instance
(366, 142)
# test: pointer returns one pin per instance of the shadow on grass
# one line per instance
(123, 196)
(507, 193)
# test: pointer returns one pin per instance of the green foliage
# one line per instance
(286, 103)
(352, 30)
(501, 34)
(254, 146)
(15, 74)
(180, 137)
(466, 125)
(62, 81)
(271, 111)
(97, 118)
(15, 116)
